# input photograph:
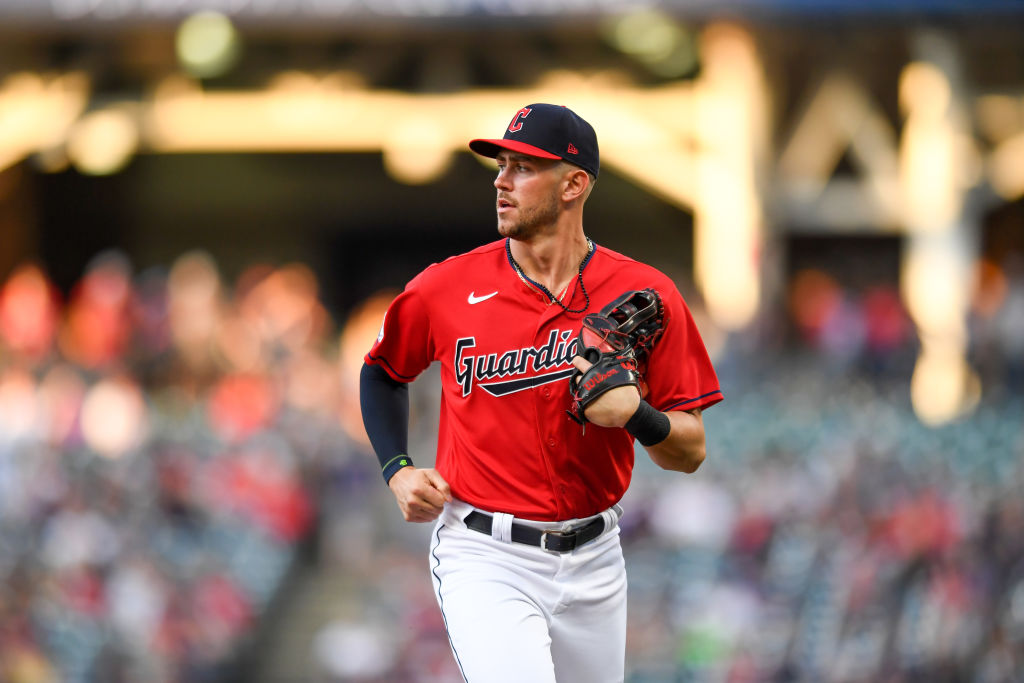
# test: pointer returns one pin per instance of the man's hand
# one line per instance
(421, 493)
(614, 407)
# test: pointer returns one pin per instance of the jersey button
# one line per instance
(547, 392)
(551, 441)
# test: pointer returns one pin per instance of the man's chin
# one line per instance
(509, 230)
(523, 230)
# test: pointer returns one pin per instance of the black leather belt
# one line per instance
(553, 541)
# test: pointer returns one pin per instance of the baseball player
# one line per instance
(556, 353)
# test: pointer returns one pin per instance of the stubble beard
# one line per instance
(532, 222)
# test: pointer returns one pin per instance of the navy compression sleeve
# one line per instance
(385, 406)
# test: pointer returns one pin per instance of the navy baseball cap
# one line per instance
(548, 131)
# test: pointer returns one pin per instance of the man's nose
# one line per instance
(501, 181)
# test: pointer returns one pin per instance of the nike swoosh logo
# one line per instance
(477, 299)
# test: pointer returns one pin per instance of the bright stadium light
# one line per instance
(207, 44)
(417, 151)
(655, 39)
(103, 142)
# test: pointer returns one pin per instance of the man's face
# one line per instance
(528, 200)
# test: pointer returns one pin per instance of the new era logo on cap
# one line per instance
(549, 131)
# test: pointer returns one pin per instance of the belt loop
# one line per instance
(611, 517)
(501, 527)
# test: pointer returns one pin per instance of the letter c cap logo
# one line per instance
(516, 123)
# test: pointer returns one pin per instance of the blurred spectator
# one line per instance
(997, 323)
(96, 329)
(869, 329)
(29, 312)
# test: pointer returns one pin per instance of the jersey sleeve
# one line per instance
(404, 347)
(679, 373)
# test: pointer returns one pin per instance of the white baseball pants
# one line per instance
(519, 614)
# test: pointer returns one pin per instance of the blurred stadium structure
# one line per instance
(206, 206)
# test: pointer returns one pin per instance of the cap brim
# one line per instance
(490, 148)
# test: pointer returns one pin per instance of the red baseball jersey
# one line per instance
(506, 443)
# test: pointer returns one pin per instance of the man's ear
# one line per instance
(577, 183)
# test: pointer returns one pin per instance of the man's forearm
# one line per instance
(683, 448)
(385, 406)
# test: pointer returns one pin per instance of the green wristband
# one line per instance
(394, 464)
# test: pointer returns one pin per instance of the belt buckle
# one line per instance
(554, 532)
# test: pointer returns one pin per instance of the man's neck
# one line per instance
(552, 260)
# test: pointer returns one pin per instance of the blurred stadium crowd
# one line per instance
(156, 433)
(169, 443)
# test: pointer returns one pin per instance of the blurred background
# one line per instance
(206, 206)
